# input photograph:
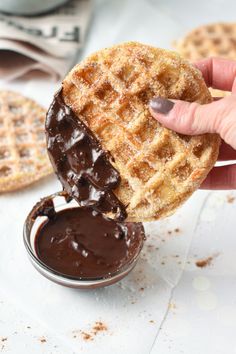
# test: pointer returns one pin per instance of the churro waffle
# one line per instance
(109, 91)
(23, 156)
(217, 40)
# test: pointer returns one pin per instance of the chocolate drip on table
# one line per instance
(79, 161)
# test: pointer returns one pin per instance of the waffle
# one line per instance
(110, 91)
(217, 40)
(23, 157)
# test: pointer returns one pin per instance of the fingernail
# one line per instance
(161, 105)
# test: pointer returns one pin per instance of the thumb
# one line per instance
(194, 118)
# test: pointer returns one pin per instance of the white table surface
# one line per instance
(167, 304)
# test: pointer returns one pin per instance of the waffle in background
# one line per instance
(217, 39)
(23, 156)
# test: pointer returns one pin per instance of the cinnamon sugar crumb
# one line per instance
(202, 263)
(230, 199)
(176, 230)
(99, 327)
(172, 306)
(89, 335)
(86, 336)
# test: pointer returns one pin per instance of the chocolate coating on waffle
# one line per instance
(79, 161)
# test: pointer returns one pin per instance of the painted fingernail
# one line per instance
(161, 105)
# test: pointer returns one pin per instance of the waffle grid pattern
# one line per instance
(218, 39)
(158, 167)
(23, 157)
(213, 40)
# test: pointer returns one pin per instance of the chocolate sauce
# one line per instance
(79, 161)
(82, 243)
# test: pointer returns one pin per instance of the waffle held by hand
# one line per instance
(23, 156)
(109, 91)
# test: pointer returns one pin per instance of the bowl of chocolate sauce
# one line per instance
(79, 237)
(77, 246)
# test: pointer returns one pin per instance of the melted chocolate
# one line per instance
(44, 208)
(79, 161)
(82, 243)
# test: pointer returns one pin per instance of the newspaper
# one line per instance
(46, 43)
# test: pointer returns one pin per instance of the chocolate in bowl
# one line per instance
(105, 258)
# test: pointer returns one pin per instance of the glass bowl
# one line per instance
(31, 226)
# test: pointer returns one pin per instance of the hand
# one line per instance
(216, 117)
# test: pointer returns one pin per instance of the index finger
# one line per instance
(218, 73)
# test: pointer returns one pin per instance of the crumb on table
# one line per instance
(230, 199)
(99, 327)
(89, 335)
(86, 336)
(202, 263)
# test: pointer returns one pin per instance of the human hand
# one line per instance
(216, 117)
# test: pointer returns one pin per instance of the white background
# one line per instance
(167, 304)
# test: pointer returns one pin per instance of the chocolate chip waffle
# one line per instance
(109, 91)
(217, 39)
(23, 156)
